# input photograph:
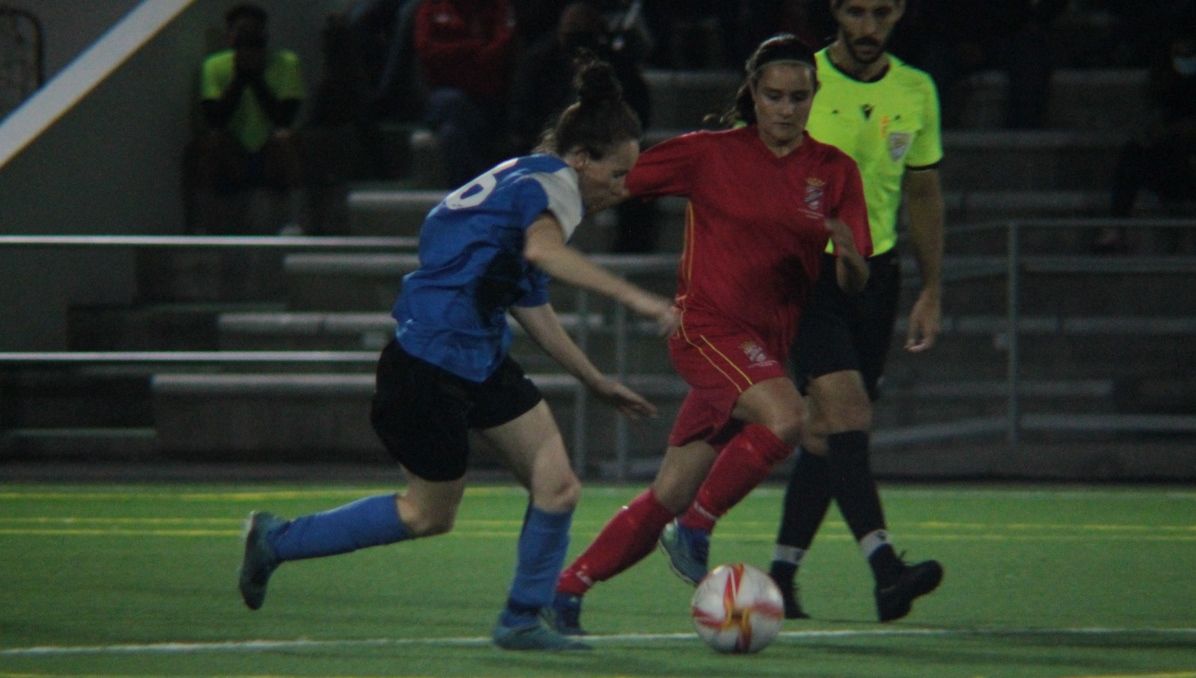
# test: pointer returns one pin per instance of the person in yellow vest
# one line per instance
(250, 99)
(885, 115)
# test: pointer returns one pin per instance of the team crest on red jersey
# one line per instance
(756, 354)
(813, 196)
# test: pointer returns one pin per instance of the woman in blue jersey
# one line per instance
(488, 249)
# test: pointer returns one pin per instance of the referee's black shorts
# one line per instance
(840, 332)
(423, 413)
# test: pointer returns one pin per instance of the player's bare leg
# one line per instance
(532, 447)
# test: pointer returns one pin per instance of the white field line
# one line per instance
(236, 646)
(1047, 493)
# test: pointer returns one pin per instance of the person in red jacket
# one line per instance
(465, 50)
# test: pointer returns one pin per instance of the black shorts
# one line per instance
(841, 332)
(423, 413)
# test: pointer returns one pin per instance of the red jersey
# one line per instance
(468, 44)
(755, 224)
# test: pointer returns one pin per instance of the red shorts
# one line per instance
(719, 360)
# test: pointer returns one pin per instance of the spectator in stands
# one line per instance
(250, 99)
(466, 51)
(953, 39)
(382, 30)
(543, 85)
(1134, 28)
(695, 34)
(810, 20)
(1163, 158)
(339, 140)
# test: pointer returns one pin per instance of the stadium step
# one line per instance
(369, 282)
(311, 416)
(1029, 160)
(379, 211)
(1104, 98)
(973, 159)
(92, 445)
(209, 275)
(176, 326)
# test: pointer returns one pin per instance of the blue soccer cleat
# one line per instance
(688, 551)
(564, 615)
(535, 636)
(259, 561)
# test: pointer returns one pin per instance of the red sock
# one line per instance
(629, 536)
(743, 464)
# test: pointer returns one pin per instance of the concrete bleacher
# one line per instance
(325, 314)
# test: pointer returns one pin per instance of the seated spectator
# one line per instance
(382, 30)
(250, 98)
(465, 49)
(1163, 158)
(1133, 28)
(544, 76)
(544, 84)
(339, 139)
(953, 39)
(695, 34)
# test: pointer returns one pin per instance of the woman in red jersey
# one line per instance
(763, 200)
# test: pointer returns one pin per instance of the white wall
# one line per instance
(112, 164)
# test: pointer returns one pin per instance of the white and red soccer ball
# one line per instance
(737, 608)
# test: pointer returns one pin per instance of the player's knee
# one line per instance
(677, 494)
(855, 416)
(560, 495)
(428, 522)
(788, 428)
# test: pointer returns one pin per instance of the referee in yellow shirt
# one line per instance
(885, 115)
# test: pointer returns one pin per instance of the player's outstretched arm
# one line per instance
(544, 327)
(546, 248)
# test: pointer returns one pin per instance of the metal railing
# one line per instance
(1014, 266)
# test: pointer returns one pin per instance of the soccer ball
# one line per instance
(737, 608)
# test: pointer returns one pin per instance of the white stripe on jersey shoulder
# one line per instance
(564, 197)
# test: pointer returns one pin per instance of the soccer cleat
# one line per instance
(534, 636)
(896, 600)
(791, 597)
(688, 551)
(259, 561)
(564, 615)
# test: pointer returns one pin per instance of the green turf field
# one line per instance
(1040, 580)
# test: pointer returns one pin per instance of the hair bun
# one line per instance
(596, 82)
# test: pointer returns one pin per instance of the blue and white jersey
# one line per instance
(452, 311)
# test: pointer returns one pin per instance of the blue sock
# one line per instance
(366, 522)
(542, 546)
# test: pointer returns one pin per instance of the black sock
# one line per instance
(852, 483)
(885, 564)
(807, 498)
(782, 572)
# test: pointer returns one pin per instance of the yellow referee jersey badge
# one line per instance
(899, 143)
